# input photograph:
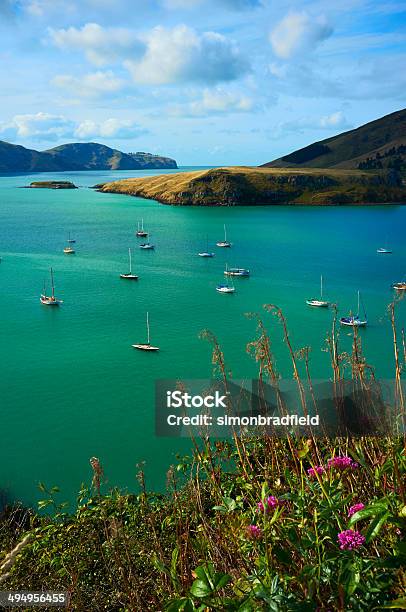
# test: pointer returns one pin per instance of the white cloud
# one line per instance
(181, 55)
(39, 126)
(90, 85)
(110, 128)
(47, 127)
(297, 33)
(100, 45)
(214, 102)
(335, 120)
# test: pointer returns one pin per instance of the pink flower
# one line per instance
(355, 508)
(318, 469)
(269, 503)
(342, 463)
(350, 539)
(254, 532)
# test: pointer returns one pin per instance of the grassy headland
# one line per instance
(245, 186)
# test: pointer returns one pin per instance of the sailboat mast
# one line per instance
(142, 224)
(129, 255)
(321, 286)
(52, 283)
(225, 233)
(148, 340)
(358, 303)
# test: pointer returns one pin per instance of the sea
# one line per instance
(71, 385)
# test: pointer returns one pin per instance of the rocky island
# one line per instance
(246, 186)
(51, 185)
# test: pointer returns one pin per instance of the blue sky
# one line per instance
(208, 82)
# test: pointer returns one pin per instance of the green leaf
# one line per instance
(375, 527)
(351, 578)
(183, 604)
(373, 510)
(397, 604)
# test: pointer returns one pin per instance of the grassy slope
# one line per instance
(349, 148)
(252, 186)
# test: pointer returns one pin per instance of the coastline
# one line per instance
(244, 186)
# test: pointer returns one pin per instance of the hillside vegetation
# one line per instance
(246, 186)
(375, 145)
(257, 523)
(77, 156)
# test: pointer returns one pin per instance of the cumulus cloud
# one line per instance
(214, 102)
(181, 55)
(90, 85)
(110, 128)
(297, 33)
(47, 127)
(100, 45)
(335, 120)
(39, 126)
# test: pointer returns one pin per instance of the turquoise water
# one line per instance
(71, 385)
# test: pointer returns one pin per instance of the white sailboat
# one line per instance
(129, 275)
(224, 243)
(206, 253)
(384, 250)
(50, 300)
(242, 272)
(355, 321)
(147, 345)
(71, 240)
(226, 288)
(320, 303)
(141, 233)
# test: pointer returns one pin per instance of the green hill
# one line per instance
(77, 156)
(376, 145)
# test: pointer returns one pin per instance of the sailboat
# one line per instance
(355, 321)
(147, 346)
(206, 253)
(129, 275)
(236, 272)
(69, 250)
(50, 300)
(141, 233)
(227, 288)
(71, 240)
(224, 243)
(384, 250)
(147, 246)
(320, 303)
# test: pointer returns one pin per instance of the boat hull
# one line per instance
(317, 303)
(352, 322)
(145, 347)
(147, 247)
(224, 245)
(45, 301)
(206, 254)
(221, 289)
(240, 272)
(129, 276)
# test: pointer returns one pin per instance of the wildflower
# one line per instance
(350, 539)
(342, 463)
(269, 503)
(318, 469)
(355, 508)
(254, 532)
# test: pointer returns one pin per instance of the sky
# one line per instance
(207, 82)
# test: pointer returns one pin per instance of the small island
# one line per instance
(52, 185)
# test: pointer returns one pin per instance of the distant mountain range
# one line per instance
(377, 145)
(77, 156)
